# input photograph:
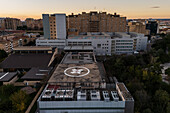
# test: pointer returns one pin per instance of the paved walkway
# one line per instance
(34, 100)
(40, 91)
(19, 84)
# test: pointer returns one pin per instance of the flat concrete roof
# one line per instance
(36, 73)
(84, 58)
(6, 77)
(26, 61)
(125, 93)
(105, 35)
(74, 73)
(33, 48)
(78, 48)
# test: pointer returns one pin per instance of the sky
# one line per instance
(130, 8)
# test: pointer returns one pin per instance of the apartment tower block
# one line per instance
(54, 26)
(96, 22)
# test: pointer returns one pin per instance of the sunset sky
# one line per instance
(130, 8)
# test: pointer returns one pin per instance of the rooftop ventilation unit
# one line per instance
(47, 94)
(69, 94)
(95, 95)
(81, 95)
(115, 96)
(106, 96)
(60, 94)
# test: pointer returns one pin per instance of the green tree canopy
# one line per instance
(19, 100)
(161, 100)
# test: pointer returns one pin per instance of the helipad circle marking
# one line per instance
(77, 70)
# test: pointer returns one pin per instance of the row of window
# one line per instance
(52, 22)
(52, 34)
(52, 31)
(104, 47)
(52, 42)
(124, 46)
(124, 49)
(52, 28)
(124, 43)
(124, 40)
(79, 42)
(52, 25)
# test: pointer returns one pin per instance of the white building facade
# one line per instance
(52, 43)
(115, 43)
(103, 44)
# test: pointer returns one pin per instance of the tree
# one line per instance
(3, 55)
(135, 85)
(141, 74)
(167, 71)
(147, 111)
(152, 79)
(161, 100)
(142, 99)
(19, 100)
(25, 41)
(168, 108)
(6, 106)
(7, 89)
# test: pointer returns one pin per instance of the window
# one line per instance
(98, 45)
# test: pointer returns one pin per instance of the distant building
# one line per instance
(2, 23)
(96, 22)
(32, 49)
(60, 44)
(34, 24)
(102, 43)
(138, 27)
(153, 26)
(10, 39)
(54, 26)
(12, 23)
(32, 35)
(109, 43)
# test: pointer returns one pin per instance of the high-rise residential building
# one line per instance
(96, 22)
(138, 27)
(101, 43)
(2, 23)
(54, 26)
(35, 24)
(12, 23)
